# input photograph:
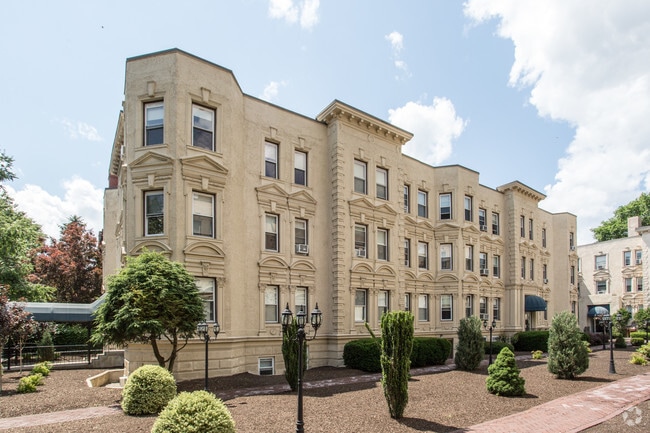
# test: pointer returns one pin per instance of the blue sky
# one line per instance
(554, 94)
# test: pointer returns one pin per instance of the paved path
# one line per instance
(572, 413)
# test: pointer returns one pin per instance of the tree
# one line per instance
(642, 315)
(6, 173)
(470, 349)
(396, 346)
(151, 298)
(504, 377)
(620, 325)
(13, 319)
(567, 354)
(73, 264)
(616, 226)
(290, 354)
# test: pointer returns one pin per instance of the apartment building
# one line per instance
(613, 275)
(267, 207)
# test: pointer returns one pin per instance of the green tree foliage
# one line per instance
(72, 264)
(641, 316)
(470, 349)
(13, 321)
(396, 345)
(148, 390)
(616, 226)
(150, 299)
(6, 173)
(504, 377)
(620, 324)
(195, 412)
(290, 354)
(567, 355)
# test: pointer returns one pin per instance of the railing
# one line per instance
(61, 354)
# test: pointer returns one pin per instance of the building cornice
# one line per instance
(520, 188)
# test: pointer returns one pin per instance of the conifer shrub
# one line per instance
(430, 351)
(504, 377)
(620, 343)
(46, 347)
(29, 383)
(148, 390)
(290, 354)
(194, 412)
(567, 354)
(470, 349)
(396, 345)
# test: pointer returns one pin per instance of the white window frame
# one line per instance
(627, 282)
(208, 292)
(383, 303)
(423, 204)
(360, 305)
(469, 305)
(381, 183)
(496, 226)
(600, 262)
(271, 160)
(483, 308)
(407, 198)
(154, 123)
(382, 244)
(203, 122)
(423, 308)
(150, 216)
(627, 258)
(301, 235)
(496, 265)
(446, 308)
(360, 177)
(407, 302)
(301, 299)
(496, 309)
(598, 287)
(271, 304)
(407, 252)
(263, 367)
(445, 203)
(482, 220)
(271, 232)
(446, 257)
(638, 257)
(423, 255)
(300, 167)
(469, 258)
(361, 245)
(203, 213)
(468, 208)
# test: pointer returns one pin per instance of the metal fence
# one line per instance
(80, 354)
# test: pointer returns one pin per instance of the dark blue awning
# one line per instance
(534, 303)
(597, 310)
(63, 313)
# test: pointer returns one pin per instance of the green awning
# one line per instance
(534, 303)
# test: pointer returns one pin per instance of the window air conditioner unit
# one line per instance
(483, 228)
(360, 252)
(484, 272)
(573, 248)
(600, 267)
(545, 280)
(302, 248)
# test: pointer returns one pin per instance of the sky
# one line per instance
(554, 93)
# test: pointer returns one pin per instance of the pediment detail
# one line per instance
(303, 265)
(151, 245)
(203, 248)
(150, 160)
(303, 196)
(273, 262)
(447, 278)
(271, 190)
(202, 165)
(362, 268)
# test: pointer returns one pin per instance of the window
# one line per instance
(423, 308)
(360, 239)
(496, 309)
(271, 304)
(154, 114)
(381, 182)
(469, 257)
(301, 240)
(530, 229)
(271, 233)
(522, 226)
(407, 253)
(628, 285)
(601, 287)
(572, 244)
(532, 269)
(545, 272)
(573, 275)
(627, 258)
(638, 254)
(445, 206)
(468, 208)
(523, 267)
(496, 266)
(407, 199)
(207, 294)
(202, 214)
(301, 300)
(423, 255)
(154, 213)
(482, 220)
(495, 223)
(383, 298)
(482, 263)
(360, 305)
(300, 168)
(359, 177)
(482, 308)
(271, 160)
(382, 244)
(446, 302)
(573, 307)
(423, 204)
(543, 238)
(469, 305)
(446, 259)
(601, 261)
(407, 302)
(266, 366)
(202, 127)
(639, 284)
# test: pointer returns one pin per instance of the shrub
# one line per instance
(363, 354)
(638, 359)
(586, 344)
(396, 345)
(46, 347)
(620, 343)
(148, 390)
(531, 340)
(504, 377)
(469, 351)
(537, 354)
(567, 354)
(70, 334)
(290, 354)
(194, 412)
(42, 368)
(637, 341)
(644, 350)
(430, 351)
(29, 383)
(497, 346)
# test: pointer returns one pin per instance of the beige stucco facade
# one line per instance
(305, 211)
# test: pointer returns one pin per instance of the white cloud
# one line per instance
(434, 128)
(271, 90)
(396, 40)
(81, 198)
(82, 130)
(305, 11)
(586, 63)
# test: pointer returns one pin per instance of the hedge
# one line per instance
(530, 340)
(364, 354)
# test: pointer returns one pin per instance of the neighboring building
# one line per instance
(613, 275)
(268, 207)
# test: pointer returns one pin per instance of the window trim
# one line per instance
(407, 198)
(423, 310)
(383, 309)
(496, 224)
(271, 161)
(468, 205)
(423, 208)
(147, 127)
(379, 172)
(357, 243)
(298, 246)
(360, 181)
(425, 256)
(385, 256)
(297, 170)
(210, 131)
(407, 252)
(275, 233)
(446, 308)
(361, 307)
(275, 308)
(211, 300)
(446, 212)
(446, 257)
(211, 217)
(148, 216)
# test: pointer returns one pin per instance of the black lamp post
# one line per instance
(202, 331)
(492, 326)
(603, 326)
(607, 321)
(646, 325)
(316, 320)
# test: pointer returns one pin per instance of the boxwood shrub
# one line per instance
(364, 354)
(430, 351)
(195, 412)
(148, 390)
(530, 340)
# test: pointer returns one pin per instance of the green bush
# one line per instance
(639, 334)
(290, 354)
(29, 383)
(470, 350)
(644, 350)
(73, 334)
(396, 346)
(531, 340)
(363, 354)
(46, 347)
(42, 368)
(638, 359)
(620, 343)
(430, 351)
(194, 412)
(637, 341)
(497, 346)
(504, 377)
(567, 354)
(537, 354)
(148, 390)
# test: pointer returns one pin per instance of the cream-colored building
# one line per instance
(613, 275)
(267, 207)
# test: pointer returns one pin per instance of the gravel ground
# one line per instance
(440, 402)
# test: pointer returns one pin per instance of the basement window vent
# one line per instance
(266, 366)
